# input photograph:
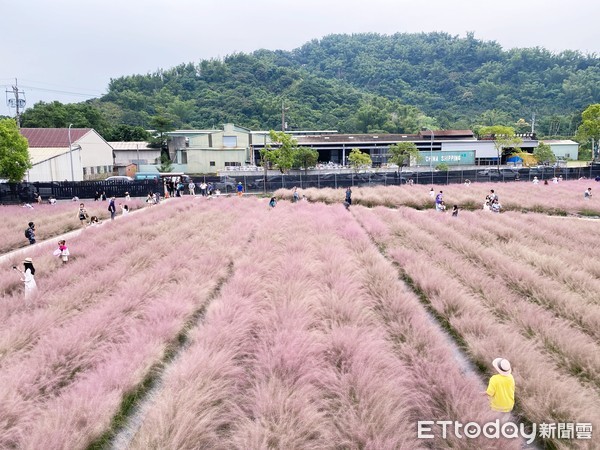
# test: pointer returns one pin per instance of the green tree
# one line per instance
(166, 165)
(305, 157)
(127, 133)
(543, 153)
(284, 154)
(359, 160)
(504, 139)
(590, 126)
(14, 154)
(402, 153)
(442, 167)
(161, 124)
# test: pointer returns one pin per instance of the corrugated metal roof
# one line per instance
(53, 137)
(350, 138)
(131, 145)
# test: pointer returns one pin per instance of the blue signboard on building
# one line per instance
(466, 157)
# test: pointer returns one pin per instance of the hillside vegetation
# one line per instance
(359, 83)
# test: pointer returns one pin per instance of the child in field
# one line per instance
(82, 214)
(63, 251)
(273, 202)
(455, 211)
(94, 220)
(501, 388)
(587, 193)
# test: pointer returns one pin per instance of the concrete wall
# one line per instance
(564, 151)
(124, 157)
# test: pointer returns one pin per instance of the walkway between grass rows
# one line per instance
(51, 242)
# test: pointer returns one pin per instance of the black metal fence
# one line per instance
(26, 192)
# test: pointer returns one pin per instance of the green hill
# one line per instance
(363, 83)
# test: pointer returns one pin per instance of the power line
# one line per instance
(56, 91)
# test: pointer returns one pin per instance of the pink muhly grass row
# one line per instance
(305, 360)
(86, 274)
(574, 349)
(565, 251)
(543, 395)
(527, 281)
(85, 366)
(564, 197)
(50, 221)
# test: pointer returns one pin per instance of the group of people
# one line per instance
(440, 205)
(492, 203)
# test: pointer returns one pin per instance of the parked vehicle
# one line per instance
(120, 178)
(147, 176)
(502, 174)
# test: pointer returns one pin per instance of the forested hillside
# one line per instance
(362, 83)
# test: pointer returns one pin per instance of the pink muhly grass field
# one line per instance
(563, 198)
(305, 335)
(99, 340)
(327, 349)
(556, 362)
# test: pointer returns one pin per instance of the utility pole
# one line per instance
(283, 110)
(16, 102)
(532, 124)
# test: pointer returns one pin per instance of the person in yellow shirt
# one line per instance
(501, 388)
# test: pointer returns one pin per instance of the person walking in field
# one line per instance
(455, 211)
(192, 188)
(240, 189)
(348, 199)
(501, 387)
(28, 278)
(82, 214)
(439, 200)
(587, 193)
(431, 193)
(273, 202)
(112, 208)
(295, 195)
(30, 233)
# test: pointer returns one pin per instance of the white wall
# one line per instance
(57, 168)
(124, 157)
(483, 149)
(95, 152)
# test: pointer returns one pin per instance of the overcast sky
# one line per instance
(69, 50)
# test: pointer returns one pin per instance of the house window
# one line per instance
(184, 157)
(567, 155)
(230, 141)
(212, 164)
(91, 171)
(98, 169)
(84, 171)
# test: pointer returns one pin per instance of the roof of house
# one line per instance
(447, 133)
(53, 137)
(560, 141)
(345, 138)
(131, 145)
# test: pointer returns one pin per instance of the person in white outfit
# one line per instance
(28, 278)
